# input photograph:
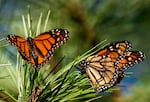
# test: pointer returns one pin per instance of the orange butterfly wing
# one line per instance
(39, 50)
(100, 67)
(116, 49)
(47, 42)
(131, 58)
(22, 46)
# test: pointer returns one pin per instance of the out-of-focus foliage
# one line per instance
(89, 22)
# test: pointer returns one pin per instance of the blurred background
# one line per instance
(89, 22)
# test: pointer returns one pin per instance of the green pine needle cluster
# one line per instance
(67, 84)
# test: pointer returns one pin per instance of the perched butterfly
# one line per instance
(106, 67)
(39, 50)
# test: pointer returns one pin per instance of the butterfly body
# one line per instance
(39, 50)
(106, 67)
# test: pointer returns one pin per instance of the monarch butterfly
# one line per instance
(106, 67)
(39, 50)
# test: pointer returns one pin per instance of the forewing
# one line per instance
(116, 50)
(22, 46)
(46, 43)
(131, 58)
